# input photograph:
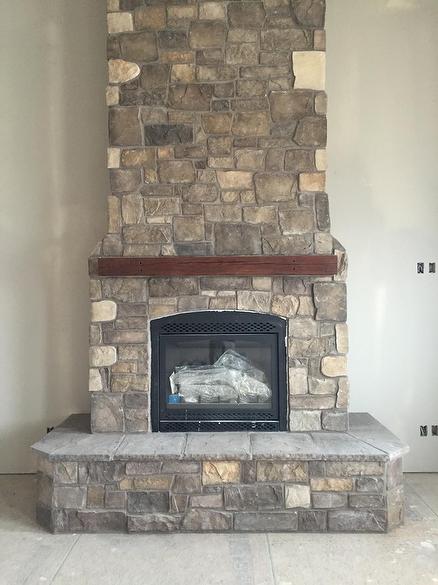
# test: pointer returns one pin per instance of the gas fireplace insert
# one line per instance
(219, 371)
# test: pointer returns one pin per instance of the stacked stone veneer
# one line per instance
(217, 146)
(166, 495)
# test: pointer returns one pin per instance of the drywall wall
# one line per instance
(53, 187)
(383, 136)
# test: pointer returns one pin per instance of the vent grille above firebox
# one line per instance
(216, 328)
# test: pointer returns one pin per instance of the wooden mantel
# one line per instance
(309, 265)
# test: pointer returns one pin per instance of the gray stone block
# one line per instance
(139, 502)
(266, 522)
(218, 446)
(371, 502)
(154, 523)
(312, 520)
(253, 497)
(370, 484)
(207, 520)
(357, 521)
(91, 521)
(328, 500)
(69, 497)
(334, 421)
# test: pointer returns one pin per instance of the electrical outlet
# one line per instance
(423, 430)
(434, 430)
(432, 267)
(420, 267)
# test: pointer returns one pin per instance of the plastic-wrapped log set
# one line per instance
(232, 378)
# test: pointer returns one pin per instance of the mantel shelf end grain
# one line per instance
(310, 265)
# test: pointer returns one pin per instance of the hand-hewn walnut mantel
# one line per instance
(314, 265)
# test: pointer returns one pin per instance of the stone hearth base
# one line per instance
(275, 482)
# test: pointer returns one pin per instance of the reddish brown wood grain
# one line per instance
(315, 265)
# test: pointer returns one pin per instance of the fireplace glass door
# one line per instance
(218, 371)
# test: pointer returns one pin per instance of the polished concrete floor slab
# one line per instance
(30, 556)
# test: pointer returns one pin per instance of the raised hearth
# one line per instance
(221, 482)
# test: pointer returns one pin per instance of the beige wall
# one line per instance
(383, 132)
(52, 188)
(383, 186)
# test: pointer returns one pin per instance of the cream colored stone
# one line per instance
(120, 71)
(321, 159)
(103, 311)
(114, 215)
(113, 156)
(297, 496)
(235, 179)
(248, 300)
(286, 305)
(312, 181)
(305, 420)
(298, 381)
(183, 73)
(306, 308)
(211, 11)
(218, 472)
(331, 484)
(321, 103)
(262, 283)
(323, 243)
(334, 365)
(102, 356)
(342, 337)
(120, 22)
(309, 69)
(132, 209)
(343, 392)
(112, 95)
(94, 380)
(179, 13)
(112, 5)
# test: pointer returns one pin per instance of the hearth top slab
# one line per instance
(367, 440)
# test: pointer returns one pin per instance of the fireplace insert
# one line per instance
(218, 371)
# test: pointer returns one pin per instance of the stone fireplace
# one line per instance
(218, 296)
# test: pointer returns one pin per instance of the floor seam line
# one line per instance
(67, 554)
(422, 499)
(268, 544)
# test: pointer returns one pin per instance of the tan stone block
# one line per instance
(182, 73)
(221, 162)
(309, 69)
(161, 206)
(322, 386)
(262, 283)
(306, 307)
(113, 158)
(282, 471)
(132, 209)
(333, 366)
(150, 17)
(188, 229)
(112, 5)
(343, 392)
(178, 171)
(305, 420)
(342, 337)
(303, 328)
(249, 159)
(354, 468)
(114, 215)
(120, 71)
(152, 482)
(212, 11)
(321, 159)
(272, 187)
(112, 95)
(177, 57)
(139, 157)
(298, 380)
(321, 104)
(319, 40)
(323, 243)
(162, 309)
(94, 380)
(312, 181)
(222, 213)
(102, 355)
(103, 311)
(235, 179)
(206, 35)
(262, 214)
(297, 496)
(251, 124)
(178, 14)
(247, 196)
(165, 152)
(297, 221)
(286, 305)
(120, 22)
(230, 196)
(253, 301)
(329, 484)
(219, 472)
(216, 123)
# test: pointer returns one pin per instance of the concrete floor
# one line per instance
(29, 555)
